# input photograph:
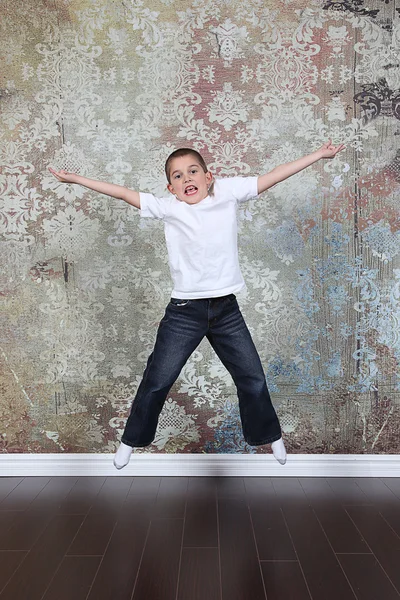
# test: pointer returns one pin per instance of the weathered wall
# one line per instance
(109, 89)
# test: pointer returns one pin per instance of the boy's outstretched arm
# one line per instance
(109, 189)
(282, 172)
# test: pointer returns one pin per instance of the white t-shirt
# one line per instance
(202, 238)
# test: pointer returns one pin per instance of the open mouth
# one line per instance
(190, 190)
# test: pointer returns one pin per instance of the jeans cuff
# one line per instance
(269, 440)
(134, 445)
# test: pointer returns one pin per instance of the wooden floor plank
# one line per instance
(54, 493)
(289, 492)
(391, 514)
(384, 499)
(32, 522)
(31, 579)
(377, 492)
(112, 496)
(199, 574)
(73, 578)
(25, 530)
(201, 529)
(171, 498)
(9, 562)
(7, 519)
(284, 581)
(367, 578)
(158, 573)
(393, 483)
(144, 486)
(118, 569)
(272, 536)
(240, 570)
(7, 484)
(383, 541)
(230, 487)
(347, 491)
(93, 536)
(339, 528)
(82, 495)
(24, 493)
(141, 499)
(259, 490)
(126, 545)
(323, 573)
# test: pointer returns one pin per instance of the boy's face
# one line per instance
(189, 183)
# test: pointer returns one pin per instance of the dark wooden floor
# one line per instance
(125, 538)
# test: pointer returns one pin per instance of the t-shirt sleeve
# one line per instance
(152, 207)
(240, 188)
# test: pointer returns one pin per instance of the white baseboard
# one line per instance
(227, 465)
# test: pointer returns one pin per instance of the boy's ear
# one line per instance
(209, 177)
(170, 188)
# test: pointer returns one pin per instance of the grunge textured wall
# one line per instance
(109, 89)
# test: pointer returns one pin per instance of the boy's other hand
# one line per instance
(63, 176)
(328, 150)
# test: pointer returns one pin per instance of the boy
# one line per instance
(201, 235)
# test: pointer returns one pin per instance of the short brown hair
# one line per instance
(183, 152)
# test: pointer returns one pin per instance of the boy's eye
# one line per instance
(177, 176)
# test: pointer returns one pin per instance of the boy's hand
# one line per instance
(63, 176)
(328, 150)
(109, 189)
(286, 170)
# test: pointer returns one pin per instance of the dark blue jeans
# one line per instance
(182, 328)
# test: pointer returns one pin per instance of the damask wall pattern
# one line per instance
(109, 89)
